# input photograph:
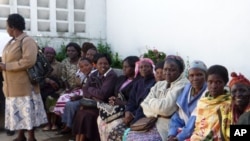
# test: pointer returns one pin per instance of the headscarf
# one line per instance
(238, 79)
(199, 65)
(178, 60)
(137, 64)
(49, 49)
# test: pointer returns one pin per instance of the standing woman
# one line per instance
(24, 106)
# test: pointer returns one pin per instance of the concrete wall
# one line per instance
(215, 31)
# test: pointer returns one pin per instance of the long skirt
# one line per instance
(85, 122)
(24, 112)
(105, 128)
(64, 98)
(151, 135)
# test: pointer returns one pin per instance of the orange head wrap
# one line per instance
(238, 79)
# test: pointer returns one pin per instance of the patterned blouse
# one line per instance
(69, 72)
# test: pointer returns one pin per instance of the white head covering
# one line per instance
(198, 64)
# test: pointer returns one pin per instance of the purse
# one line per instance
(144, 124)
(109, 113)
(90, 103)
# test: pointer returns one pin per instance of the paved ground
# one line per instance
(40, 135)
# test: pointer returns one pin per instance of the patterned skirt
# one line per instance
(151, 135)
(24, 112)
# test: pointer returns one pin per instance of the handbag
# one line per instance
(143, 124)
(109, 113)
(40, 70)
(89, 103)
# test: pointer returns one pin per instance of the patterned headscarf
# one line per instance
(137, 64)
(238, 79)
(178, 60)
(49, 49)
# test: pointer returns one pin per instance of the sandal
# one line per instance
(46, 128)
(54, 128)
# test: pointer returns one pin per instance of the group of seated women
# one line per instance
(196, 105)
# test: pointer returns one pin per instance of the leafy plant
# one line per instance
(62, 53)
(105, 48)
(155, 55)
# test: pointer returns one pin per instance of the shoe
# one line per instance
(54, 128)
(46, 128)
(10, 133)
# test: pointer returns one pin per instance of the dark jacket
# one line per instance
(138, 93)
(100, 88)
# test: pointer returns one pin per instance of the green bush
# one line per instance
(62, 53)
(105, 48)
(155, 55)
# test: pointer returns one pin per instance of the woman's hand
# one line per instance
(53, 84)
(172, 138)
(74, 98)
(128, 117)
(115, 101)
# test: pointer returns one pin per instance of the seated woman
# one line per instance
(140, 90)
(85, 67)
(123, 87)
(100, 86)
(161, 100)
(240, 91)
(181, 125)
(48, 90)
(70, 76)
(207, 125)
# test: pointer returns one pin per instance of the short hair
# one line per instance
(159, 65)
(16, 21)
(101, 55)
(87, 45)
(85, 59)
(131, 60)
(76, 46)
(219, 70)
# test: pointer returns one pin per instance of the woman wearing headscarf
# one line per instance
(24, 108)
(207, 126)
(161, 100)
(140, 89)
(240, 91)
(49, 88)
(181, 125)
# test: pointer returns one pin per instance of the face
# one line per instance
(102, 65)
(145, 69)
(215, 85)
(197, 78)
(127, 70)
(159, 74)
(72, 52)
(49, 55)
(90, 54)
(171, 71)
(241, 94)
(9, 30)
(85, 66)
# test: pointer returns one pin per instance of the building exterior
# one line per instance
(56, 22)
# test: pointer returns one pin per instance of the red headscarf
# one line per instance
(238, 79)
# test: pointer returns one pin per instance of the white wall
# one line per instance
(215, 31)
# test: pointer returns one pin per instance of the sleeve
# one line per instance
(131, 104)
(29, 55)
(175, 123)
(64, 70)
(106, 89)
(187, 130)
(153, 106)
